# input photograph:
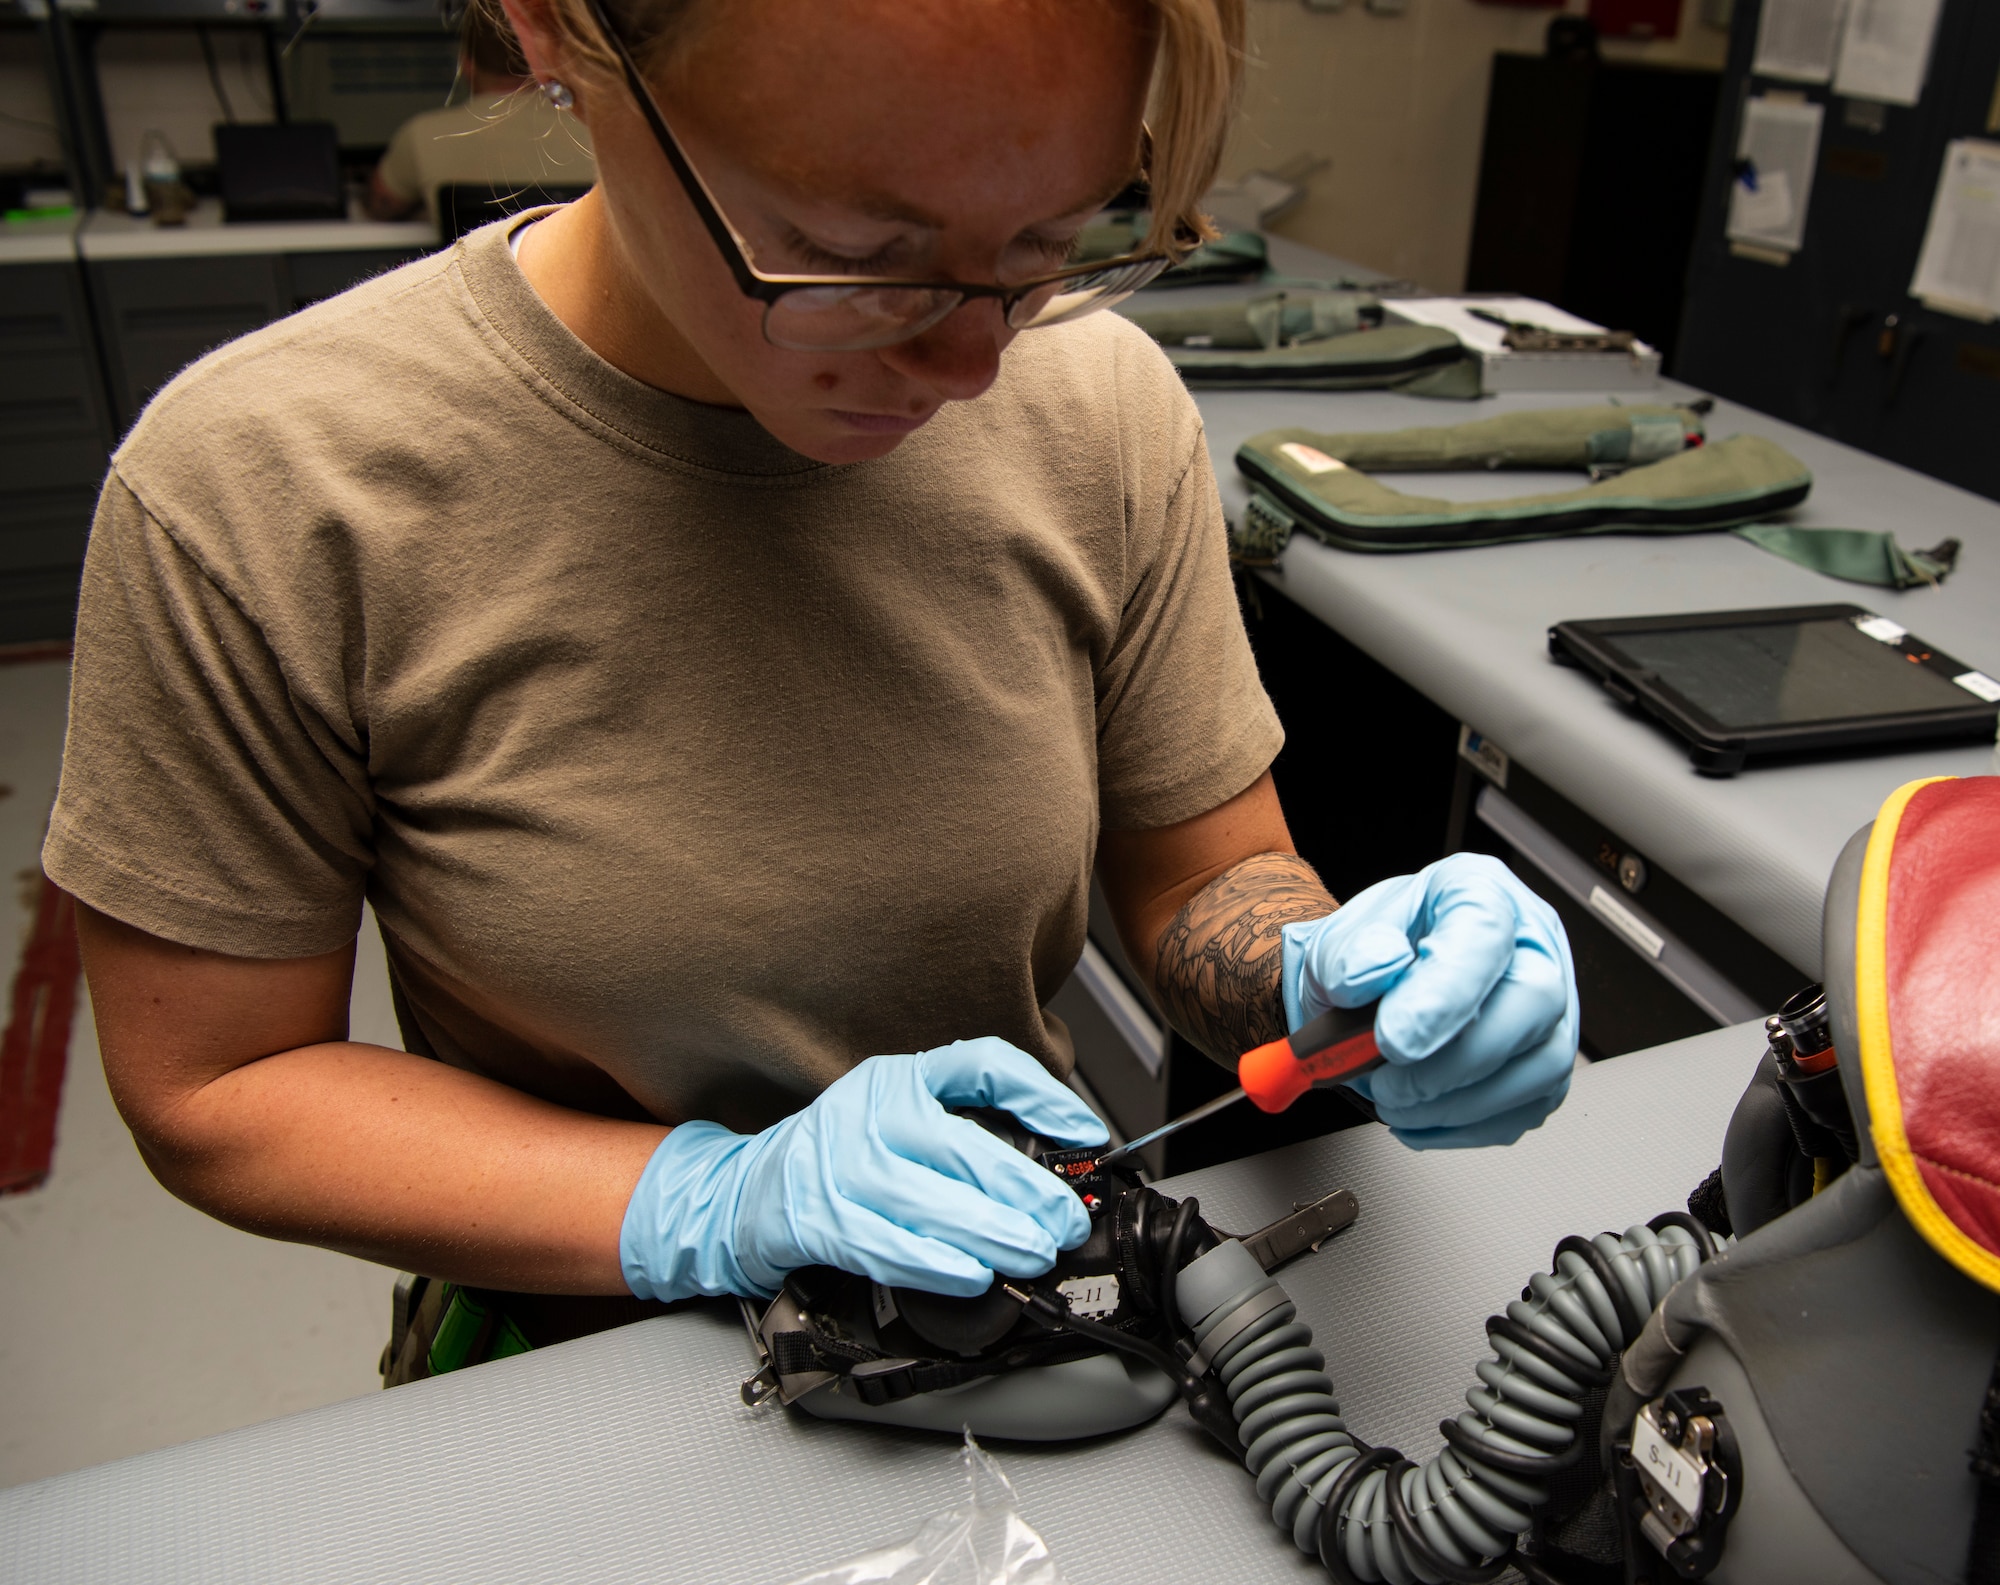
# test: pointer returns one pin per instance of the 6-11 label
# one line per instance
(1671, 1470)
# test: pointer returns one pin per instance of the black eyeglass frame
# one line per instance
(768, 289)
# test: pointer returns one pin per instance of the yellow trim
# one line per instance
(1878, 1063)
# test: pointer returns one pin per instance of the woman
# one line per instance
(723, 691)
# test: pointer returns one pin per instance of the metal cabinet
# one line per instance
(54, 434)
(83, 348)
(1832, 339)
(160, 314)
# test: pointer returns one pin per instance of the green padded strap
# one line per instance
(1737, 481)
(1857, 555)
(1277, 319)
(1606, 435)
(1421, 359)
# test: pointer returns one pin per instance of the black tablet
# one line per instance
(1738, 684)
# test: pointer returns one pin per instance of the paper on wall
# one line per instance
(1798, 39)
(1766, 209)
(1959, 267)
(1777, 150)
(1885, 49)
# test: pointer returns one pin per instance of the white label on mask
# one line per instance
(1093, 1298)
(1977, 682)
(1311, 458)
(1673, 1472)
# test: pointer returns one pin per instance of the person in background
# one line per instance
(498, 135)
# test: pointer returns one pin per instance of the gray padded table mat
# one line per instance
(1468, 628)
(628, 1457)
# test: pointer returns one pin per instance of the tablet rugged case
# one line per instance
(1719, 750)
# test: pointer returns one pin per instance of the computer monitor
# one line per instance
(272, 172)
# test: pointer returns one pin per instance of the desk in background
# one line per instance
(628, 1456)
(1375, 662)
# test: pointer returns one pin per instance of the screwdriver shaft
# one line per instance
(1206, 1109)
(1337, 1045)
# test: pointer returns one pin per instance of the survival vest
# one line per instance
(1651, 467)
(1311, 341)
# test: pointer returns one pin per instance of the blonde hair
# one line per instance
(1195, 84)
(1196, 77)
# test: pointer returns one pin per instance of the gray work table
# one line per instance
(106, 234)
(49, 239)
(1468, 628)
(628, 1456)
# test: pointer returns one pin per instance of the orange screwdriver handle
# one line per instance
(1337, 1045)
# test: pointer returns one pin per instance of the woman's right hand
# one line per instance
(874, 1177)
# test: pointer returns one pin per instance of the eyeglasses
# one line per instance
(855, 313)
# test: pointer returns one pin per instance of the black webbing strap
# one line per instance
(878, 1378)
(1982, 1565)
(797, 1353)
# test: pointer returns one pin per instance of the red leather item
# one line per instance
(1942, 973)
(35, 1048)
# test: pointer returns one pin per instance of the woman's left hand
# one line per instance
(1478, 1015)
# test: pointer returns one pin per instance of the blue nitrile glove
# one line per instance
(1478, 1018)
(874, 1177)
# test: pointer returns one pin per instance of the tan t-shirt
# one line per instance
(493, 139)
(682, 772)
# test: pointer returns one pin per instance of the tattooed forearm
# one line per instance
(1219, 960)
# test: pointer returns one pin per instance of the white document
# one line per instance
(1780, 143)
(1959, 267)
(1885, 49)
(1482, 335)
(1798, 39)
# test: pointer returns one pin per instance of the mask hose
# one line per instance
(1369, 1514)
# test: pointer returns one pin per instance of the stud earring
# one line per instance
(558, 94)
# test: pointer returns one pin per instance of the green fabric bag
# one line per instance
(1300, 481)
(1234, 256)
(1418, 360)
(1312, 340)
(1277, 319)
(1858, 555)
(1600, 439)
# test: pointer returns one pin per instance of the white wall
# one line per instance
(154, 79)
(27, 116)
(1398, 105)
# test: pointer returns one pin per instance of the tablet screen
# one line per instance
(1786, 673)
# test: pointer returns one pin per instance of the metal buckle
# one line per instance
(1681, 1479)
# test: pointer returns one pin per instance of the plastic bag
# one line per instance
(983, 1541)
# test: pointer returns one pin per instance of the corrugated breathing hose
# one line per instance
(1368, 1513)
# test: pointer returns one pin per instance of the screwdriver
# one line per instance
(1337, 1045)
